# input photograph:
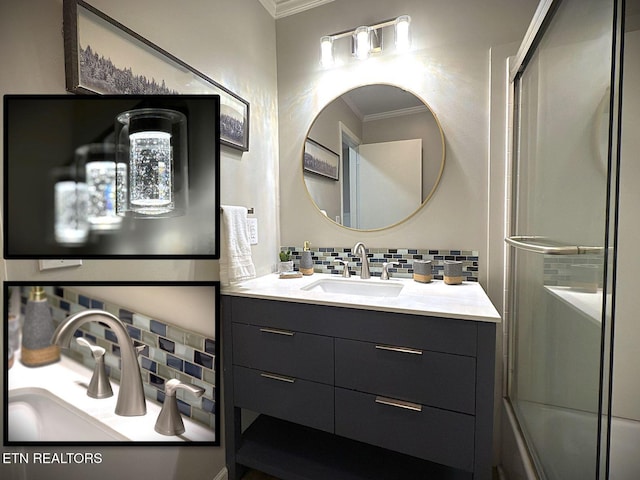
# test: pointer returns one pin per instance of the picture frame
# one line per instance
(102, 56)
(320, 160)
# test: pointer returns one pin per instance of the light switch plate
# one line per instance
(252, 225)
(49, 264)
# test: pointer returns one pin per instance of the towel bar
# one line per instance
(250, 211)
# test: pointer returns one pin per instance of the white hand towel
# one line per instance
(236, 264)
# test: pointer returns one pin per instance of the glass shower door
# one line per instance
(559, 225)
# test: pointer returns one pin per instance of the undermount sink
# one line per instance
(36, 415)
(355, 287)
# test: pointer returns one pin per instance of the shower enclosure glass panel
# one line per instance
(559, 225)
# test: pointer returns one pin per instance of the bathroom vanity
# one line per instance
(359, 386)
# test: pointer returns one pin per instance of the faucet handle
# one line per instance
(174, 384)
(96, 351)
(99, 386)
(169, 421)
(385, 270)
(345, 272)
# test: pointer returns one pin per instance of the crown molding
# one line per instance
(284, 8)
(395, 113)
(270, 6)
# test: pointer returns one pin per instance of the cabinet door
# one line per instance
(288, 398)
(433, 434)
(286, 352)
(430, 378)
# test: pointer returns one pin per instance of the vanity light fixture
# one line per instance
(403, 37)
(362, 43)
(326, 51)
(366, 40)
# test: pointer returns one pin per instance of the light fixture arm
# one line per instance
(366, 39)
(349, 33)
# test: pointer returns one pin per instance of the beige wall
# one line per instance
(199, 33)
(231, 41)
(449, 68)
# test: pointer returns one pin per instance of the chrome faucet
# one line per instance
(359, 247)
(131, 401)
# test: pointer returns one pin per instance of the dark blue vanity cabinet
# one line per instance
(356, 394)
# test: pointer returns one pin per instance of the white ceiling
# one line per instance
(283, 8)
(372, 102)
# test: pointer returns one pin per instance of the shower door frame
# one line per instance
(542, 17)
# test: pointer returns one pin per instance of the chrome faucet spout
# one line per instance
(360, 250)
(131, 401)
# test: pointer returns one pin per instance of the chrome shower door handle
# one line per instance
(538, 244)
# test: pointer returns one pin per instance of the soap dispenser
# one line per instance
(306, 262)
(37, 331)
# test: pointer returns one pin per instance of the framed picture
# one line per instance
(105, 57)
(320, 160)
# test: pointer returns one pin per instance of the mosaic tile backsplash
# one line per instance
(324, 259)
(169, 351)
(558, 268)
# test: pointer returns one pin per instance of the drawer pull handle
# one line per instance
(399, 403)
(389, 348)
(278, 332)
(280, 378)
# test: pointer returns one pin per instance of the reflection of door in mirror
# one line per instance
(392, 172)
(381, 182)
(350, 185)
(384, 187)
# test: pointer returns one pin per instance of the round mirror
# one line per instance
(373, 157)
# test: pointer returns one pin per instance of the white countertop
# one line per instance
(67, 380)
(466, 301)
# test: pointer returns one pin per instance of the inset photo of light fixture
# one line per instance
(116, 176)
(367, 40)
(152, 152)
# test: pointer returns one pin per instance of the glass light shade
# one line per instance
(122, 188)
(154, 161)
(326, 51)
(71, 210)
(403, 37)
(99, 163)
(151, 175)
(362, 44)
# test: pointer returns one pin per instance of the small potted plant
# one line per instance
(285, 264)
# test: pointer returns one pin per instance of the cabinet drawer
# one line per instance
(431, 333)
(288, 398)
(432, 434)
(295, 354)
(420, 376)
